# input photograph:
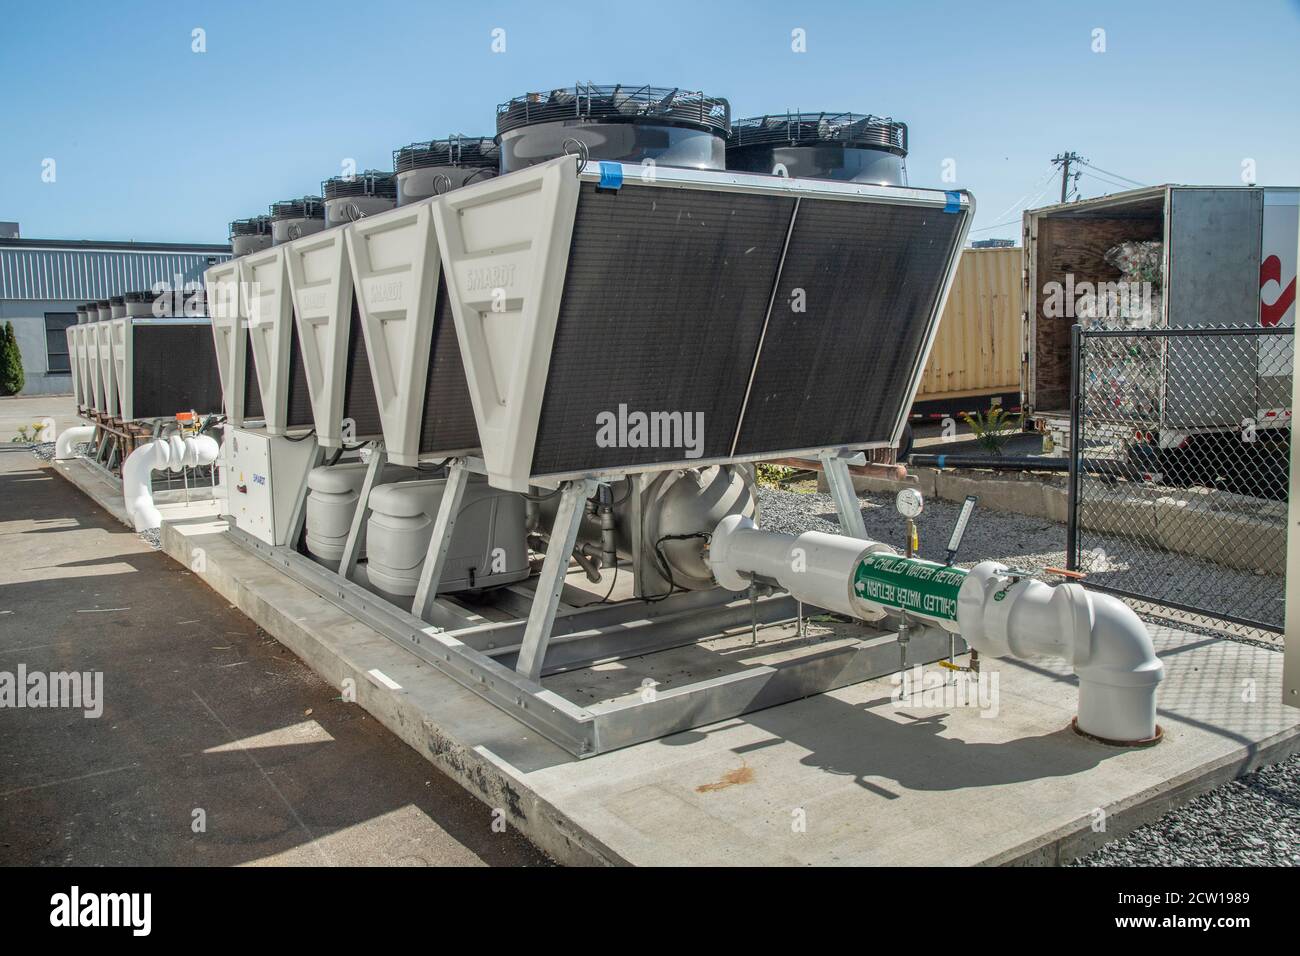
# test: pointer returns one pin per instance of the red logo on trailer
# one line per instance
(1270, 313)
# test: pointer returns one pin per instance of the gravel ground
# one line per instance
(1253, 821)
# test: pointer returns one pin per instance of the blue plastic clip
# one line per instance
(952, 205)
(611, 176)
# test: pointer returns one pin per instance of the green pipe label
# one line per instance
(909, 584)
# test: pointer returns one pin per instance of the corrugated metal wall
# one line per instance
(978, 346)
(83, 274)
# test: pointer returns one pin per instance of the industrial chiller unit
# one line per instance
(138, 359)
(511, 422)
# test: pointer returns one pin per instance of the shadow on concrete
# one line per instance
(880, 752)
(201, 711)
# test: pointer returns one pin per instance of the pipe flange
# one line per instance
(1148, 742)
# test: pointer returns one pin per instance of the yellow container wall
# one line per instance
(978, 346)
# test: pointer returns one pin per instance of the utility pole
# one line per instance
(1064, 160)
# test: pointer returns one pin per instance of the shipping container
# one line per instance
(975, 360)
(1220, 255)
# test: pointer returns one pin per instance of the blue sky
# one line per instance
(154, 141)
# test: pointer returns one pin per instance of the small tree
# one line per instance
(12, 378)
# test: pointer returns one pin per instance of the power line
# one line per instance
(1110, 183)
(1106, 182)
(1020, 203)
(1132, 182)
(995, 225)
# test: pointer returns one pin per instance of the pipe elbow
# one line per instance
(1116, 647)
(137, 483)
(65, 445)
(1105, 641)
(1117, 667)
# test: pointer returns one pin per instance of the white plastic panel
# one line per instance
(505, 244)
(119, 334)
(74, 364)
(109, 378)
(90, 363)
(92, 367)
(83, 366)
(395, 268)
(320, 281)
(229, 331)
(264, 293)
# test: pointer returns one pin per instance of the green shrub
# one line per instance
(770, 475)
(992, 428)
(11, 362)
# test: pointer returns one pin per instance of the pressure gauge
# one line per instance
(909, 502)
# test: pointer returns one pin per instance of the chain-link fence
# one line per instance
(1179, 453)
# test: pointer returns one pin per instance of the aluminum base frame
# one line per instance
(508, 661)
(482, 655)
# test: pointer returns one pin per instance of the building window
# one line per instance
(56, 340)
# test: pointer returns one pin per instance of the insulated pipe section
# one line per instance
(998, 612)
(65, 445)
(815, 567)
(137, 472)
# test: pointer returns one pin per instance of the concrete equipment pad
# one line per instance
(847, 777)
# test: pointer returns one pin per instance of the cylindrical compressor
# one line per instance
(335, 492)
(488, 546)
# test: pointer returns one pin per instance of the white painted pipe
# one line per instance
(176, 456)
(1108, 645)
(137, 482)
(138, 469)
(69, 439)
(998, 613)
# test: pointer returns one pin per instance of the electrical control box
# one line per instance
(265, 478)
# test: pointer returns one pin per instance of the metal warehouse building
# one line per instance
(42, 281)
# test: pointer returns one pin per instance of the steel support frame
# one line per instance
(564, 535)
(505, 661)
(835, 466)
(357, 532)
(444, 526)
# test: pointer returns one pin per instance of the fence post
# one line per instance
(1291, 624)
(1076, 440)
